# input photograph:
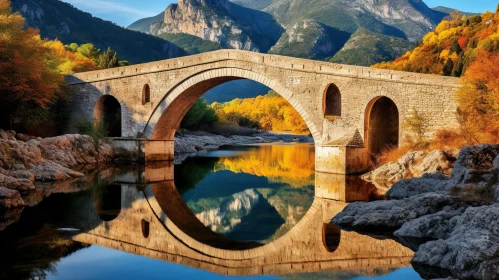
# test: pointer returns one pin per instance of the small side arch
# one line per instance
(146, 94)
(381, 125)
(331, 237)
(107, 112)
(331, 102)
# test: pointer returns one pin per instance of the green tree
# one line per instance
(108, 59)
(89, 51)
(199, 115)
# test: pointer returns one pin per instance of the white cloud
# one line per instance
(108, 7)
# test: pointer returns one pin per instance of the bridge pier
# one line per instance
(341, 159)
(144, 150)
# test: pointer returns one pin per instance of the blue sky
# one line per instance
(124, 12)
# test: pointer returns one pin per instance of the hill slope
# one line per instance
(366, 48)
(60, 20)
(451, 47)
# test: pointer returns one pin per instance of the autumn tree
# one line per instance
(27, 83)
(478, 100)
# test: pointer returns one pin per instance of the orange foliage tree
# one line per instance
(478, 100)
(31, 70)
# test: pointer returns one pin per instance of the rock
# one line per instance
(411, 187)
(389, 215)
(21, 185)
(454, 235)
(25, 161)
(10, 198)
(434, 226)
(475, 163)
(434, 162)
(412, 164)
(472, 249)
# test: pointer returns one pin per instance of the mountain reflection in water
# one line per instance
(243, 211)
(254, 193)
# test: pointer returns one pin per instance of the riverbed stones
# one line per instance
(456, 232)
(193, 143)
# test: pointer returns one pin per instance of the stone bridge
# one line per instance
(154, 221)
(351, 111)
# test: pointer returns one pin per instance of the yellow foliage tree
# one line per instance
(270, 112)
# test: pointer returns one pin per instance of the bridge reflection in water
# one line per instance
(155, 222)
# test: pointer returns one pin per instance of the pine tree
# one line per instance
(109, 59)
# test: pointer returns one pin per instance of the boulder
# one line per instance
(389, 215)
(10, 198)
(471, 250)
(412, 164)
(436, 183)
(18, 184)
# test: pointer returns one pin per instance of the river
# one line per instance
(238, 212)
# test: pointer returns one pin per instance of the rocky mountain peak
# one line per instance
(222, 22)
(217, 4)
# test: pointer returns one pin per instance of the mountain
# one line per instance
(370, 48)
(57, 19)
(144, 24)
(220, 21)
(190, 43)
(360, 32)
(316, 29)
(408, 19)
(310, 39)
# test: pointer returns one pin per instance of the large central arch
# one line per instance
(169, 113)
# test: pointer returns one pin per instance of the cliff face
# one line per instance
(220, 21)
(408, 19)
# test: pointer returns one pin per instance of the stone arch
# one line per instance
(381, 124)
(107, 201)
(107, 111)
(146, 94)
(212, 244)
(331, 102)
(167, 116)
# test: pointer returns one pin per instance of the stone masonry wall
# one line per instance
(301, 82)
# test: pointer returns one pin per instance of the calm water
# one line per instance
(240, 212)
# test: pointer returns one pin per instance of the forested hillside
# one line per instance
(451, 48)
(62, 21)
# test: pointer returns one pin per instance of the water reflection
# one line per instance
(254, 193)
(252, 222)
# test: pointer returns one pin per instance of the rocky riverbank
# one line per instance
(452, 223)
(414, 164)
(200, 141)
(26, 162)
